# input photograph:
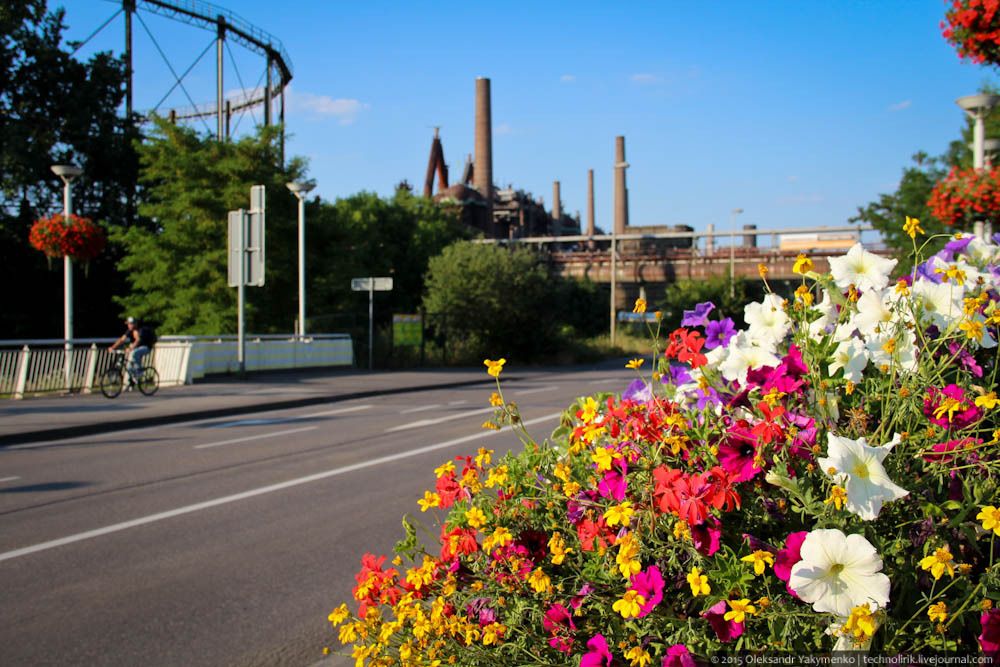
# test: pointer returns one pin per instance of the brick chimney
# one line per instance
(482, 174)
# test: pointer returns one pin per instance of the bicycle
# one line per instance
(114, 379)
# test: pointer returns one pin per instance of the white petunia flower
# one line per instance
(828, 316)
(941, 302)
(766, 320)
(852, 356)
(838, 572)
(744, 355)
(874, 313)
(857, 467)
(865, 270)
(894, 349)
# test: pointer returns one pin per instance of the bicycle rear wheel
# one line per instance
(149, 381)
(111, 382)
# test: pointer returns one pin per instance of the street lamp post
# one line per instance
(978, 107)
(300, 190)
(732, 254)
(67, 172)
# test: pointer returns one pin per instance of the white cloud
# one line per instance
(503, 129)
(568, 78)
(345, 110)
(905, 104)
(645, 79)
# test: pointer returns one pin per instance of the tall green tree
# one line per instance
(57, 109)
(177, 267)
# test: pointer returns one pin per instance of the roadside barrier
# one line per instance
(32, 367)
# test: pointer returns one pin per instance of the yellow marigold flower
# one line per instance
(619, 514)
(803, 265)
(763, 603)
(557, 547)
(948, 407)
(348, 633)
(638, 657)
(603, 457)
(803, 294)
(990, 517)
(912, 227)
(938, 612)
(590, 408)
(484, 457)
(494, 367)
(838, 496)
(497, 477)
(628, 556)
(539, 581)
(429, 500)
(902, 288)
(986, 604)
(490, 426)
(444, 469)
(496, 400)
(773, 397)
(987, 401)
(475, 517)
(635, 363)
(739, 610)
(561, 471)
(698, 582)
(640, 306)
(630, 605)
(762, 270)
(681, 530)
(953, 273)
(571, 489)
(973, 329)
(500, 537)
(339, 615)
(861, 624)
(493, 633)
(939, 562)
(760, 559)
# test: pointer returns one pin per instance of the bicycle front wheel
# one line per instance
(111, 383)
(149, 381)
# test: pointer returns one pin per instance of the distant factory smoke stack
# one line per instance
(482, 173)
(590, 202)
(621, 190)
(436, 164)
(556, 209)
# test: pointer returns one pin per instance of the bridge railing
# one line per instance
(40, 366)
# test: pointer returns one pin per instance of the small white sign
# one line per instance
(365, 284)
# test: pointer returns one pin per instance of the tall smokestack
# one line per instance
(556, 210)
(482, 175)
(590, 202)
(621, 191)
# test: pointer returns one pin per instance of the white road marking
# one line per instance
(457, 402)
(535, 391)
(338, 411)
(255, 437)
(9, 479)
(188, 509)
(429, 422)
(420, 409)
(611, 381)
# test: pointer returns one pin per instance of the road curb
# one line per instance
(65, 432)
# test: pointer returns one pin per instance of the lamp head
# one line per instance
(976, 104)
(737, 211)
(67, 172)
(300, 188)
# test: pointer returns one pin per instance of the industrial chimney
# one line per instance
(482, 174)
(590, 202)
(556, 210)
(621, 191)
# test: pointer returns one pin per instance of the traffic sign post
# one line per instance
(246, 259)
(371, 285)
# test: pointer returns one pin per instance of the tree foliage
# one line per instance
(56, 109)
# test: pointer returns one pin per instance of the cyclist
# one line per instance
(140, 340)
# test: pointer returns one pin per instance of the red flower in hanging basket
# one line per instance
(973, 28)
(966, 195)
(81, 239)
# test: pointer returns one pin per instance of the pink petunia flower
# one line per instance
(788, 557)
(558, 622)
(989, 640)
(649, 584)
(598, 655)
(678, 655)
(949, 408)
(725, 630)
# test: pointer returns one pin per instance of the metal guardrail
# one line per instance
(40, 366)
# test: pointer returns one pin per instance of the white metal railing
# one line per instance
(31, 367)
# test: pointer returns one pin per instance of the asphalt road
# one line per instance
(228, 541)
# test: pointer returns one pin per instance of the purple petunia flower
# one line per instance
(718, 333)
(956, 246)
(698, 316)
(679, 375)
(638, 391)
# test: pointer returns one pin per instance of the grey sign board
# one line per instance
(371, 284)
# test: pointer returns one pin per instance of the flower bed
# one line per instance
(965, 196)
(81, 239)
(973, 28)
(825, 479)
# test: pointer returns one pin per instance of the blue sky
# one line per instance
(797, 111)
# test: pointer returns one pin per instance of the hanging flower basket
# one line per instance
(81, 239)
(973, 28)
(966, 195)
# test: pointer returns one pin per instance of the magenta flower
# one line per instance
(737, 453)
(678, 655)
(725, 630)
(614, 483)
(949, 408)
(649, 584)
(598, 655)
(989, 640)
(707, 536)
(788, 557)
(558, 622)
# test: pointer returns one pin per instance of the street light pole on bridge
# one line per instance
(732, 254)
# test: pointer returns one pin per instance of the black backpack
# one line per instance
(147, 336)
